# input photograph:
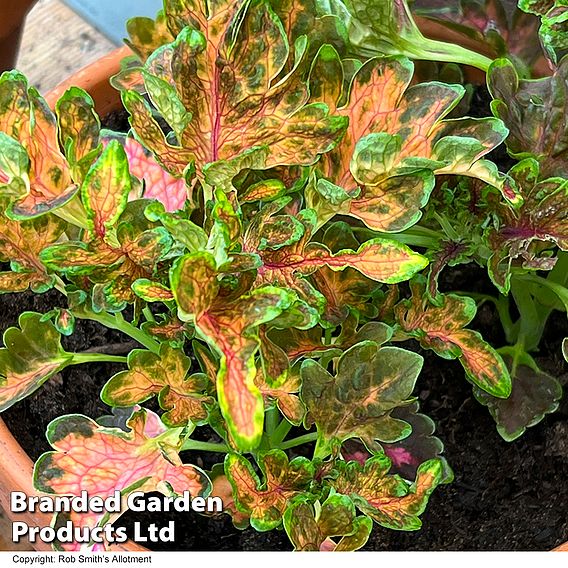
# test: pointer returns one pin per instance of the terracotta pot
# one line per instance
(11, 26)
(15, 466)
(95, 80)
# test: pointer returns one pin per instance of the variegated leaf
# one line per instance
(358, 401)
(166, 375)
(101, 460)
(267, 500)
(389, 500)
(442, 328)
(225, 66)
(32, 354)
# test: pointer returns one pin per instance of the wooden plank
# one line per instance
(56, 43)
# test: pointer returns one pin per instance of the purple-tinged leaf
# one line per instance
(534, 394)
(358, 402)
(534, 112)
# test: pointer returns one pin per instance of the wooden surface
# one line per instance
(56, 42)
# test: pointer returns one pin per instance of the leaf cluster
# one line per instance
(262, 233)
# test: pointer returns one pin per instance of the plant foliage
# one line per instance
(271, 230)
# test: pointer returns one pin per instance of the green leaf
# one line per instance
(146, 35)
(164, 97)
(232, 330)
(357, 403)
(398, 140)
(32, 354)
(346, 291)
(151, 291)
(184, 231)
(385, 498)
(21, 244)
(230, 327)
(26, 117)
(387, 27)
(288, 256)
(266, 501)
(193, 279)
(106, 188)
(14, 167)
(542, 217)
(63, 320)
(554, 20)
(284, 391)
(165, 375)
(442, 328)
(79, 127)
(311, 527)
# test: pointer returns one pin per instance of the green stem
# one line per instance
(205, 446)
(502, 305)
(306, 438)
(447, 227)
(60, 285)
(80, 358)
(117, 322)
(280, 433)
(433, 50)
(148, 314)
(518, 357)
(560, 291)
(531, 325)
(272, 416)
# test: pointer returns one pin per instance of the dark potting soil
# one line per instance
(506, 496)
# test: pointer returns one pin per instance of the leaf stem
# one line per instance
(280, 433)
(502, 305)
(305, 439)
(60, 285)
(148, 314)
(117, 322)
(434, 50)
(205, 446)
(272, 416)
(80, 358)
(531, 325)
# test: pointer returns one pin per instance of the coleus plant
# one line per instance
(553, 30)
(209, 234)
(522, 245)
(491, 27)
